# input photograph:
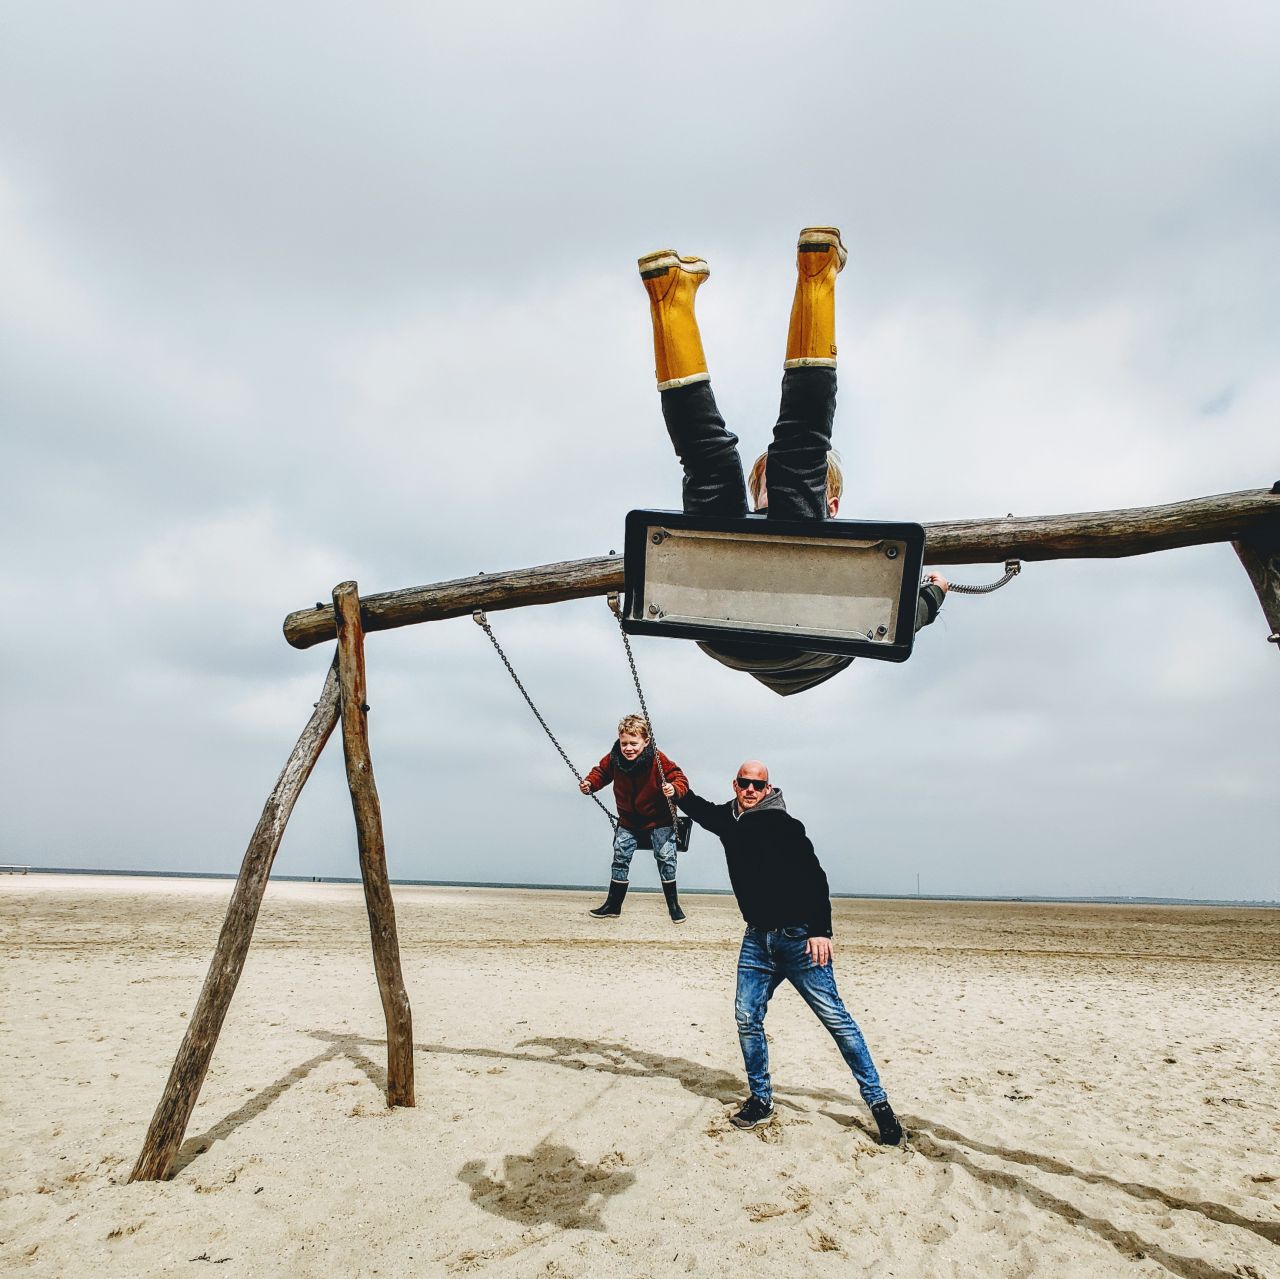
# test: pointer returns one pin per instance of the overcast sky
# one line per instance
(292, 294)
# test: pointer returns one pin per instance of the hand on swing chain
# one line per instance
(585, 787)
(668, 790)
(936, 579)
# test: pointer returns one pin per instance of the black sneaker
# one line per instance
(755, 1110)
(887, 1122)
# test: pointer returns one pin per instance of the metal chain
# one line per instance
(616, 609)
(1011, 570)
(483, 622)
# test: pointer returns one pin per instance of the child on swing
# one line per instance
(645, 782)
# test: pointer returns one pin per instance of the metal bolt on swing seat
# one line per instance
(891, 552)
(655, 610)
(659, 537)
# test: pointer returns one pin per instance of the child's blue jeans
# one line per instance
(765, 961)
(663, 839)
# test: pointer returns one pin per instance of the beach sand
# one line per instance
(1089, 1091)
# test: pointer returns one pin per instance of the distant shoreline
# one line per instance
(1030, 898)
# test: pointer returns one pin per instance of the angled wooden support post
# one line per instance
(373, 853)
(1260, 555)
(169, 1122)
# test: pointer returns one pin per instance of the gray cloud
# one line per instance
(287, 298)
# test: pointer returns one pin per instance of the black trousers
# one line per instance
(796, 472)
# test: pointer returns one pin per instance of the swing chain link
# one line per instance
(1011, 570)
(616, 608)
(483, 622)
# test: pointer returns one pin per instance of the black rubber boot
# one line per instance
(887, 1122)
(673, 902)
(612, 904)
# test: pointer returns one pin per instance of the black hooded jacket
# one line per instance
(775, 873)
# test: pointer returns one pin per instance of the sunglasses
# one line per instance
(750, 783)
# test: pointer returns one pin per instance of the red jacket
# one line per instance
(638, 795)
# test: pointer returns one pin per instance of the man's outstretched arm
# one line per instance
(712, 817)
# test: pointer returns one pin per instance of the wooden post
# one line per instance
(1261, 560)
(373, 854)
(169, 1122)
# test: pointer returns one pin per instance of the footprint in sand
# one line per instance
(719, 1129)
(800, 1198)
(823, 1242)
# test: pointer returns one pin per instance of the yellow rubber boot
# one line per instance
(671, 282)
(811, 338)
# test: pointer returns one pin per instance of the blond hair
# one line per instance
(634, 724)
(835, 477)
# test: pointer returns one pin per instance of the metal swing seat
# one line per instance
(827, 586)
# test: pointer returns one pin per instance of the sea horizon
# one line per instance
(1041, 898)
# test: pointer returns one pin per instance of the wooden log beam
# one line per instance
(373, 853)
(1136, 530)
(1140, 530)
(172, 1115)
(546, 584)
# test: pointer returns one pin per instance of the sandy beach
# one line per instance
(1089, 1091)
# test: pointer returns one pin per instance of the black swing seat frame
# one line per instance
(825, 586)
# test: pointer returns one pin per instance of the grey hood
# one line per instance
(772, 800)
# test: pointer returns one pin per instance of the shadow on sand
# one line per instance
(947, 1146)
(552, 1185)
(549, 1185)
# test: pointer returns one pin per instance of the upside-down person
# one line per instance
(798, 478)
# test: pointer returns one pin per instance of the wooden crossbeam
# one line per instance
(1251, 517)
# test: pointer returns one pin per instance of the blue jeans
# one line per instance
(663, 839)
(765, 961)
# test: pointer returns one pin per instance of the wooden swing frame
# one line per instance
(1249, 520)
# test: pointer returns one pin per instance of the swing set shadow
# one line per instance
(599, 1057)
(934, 1140)
(1249, 520)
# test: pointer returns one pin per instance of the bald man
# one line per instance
(783, 895)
